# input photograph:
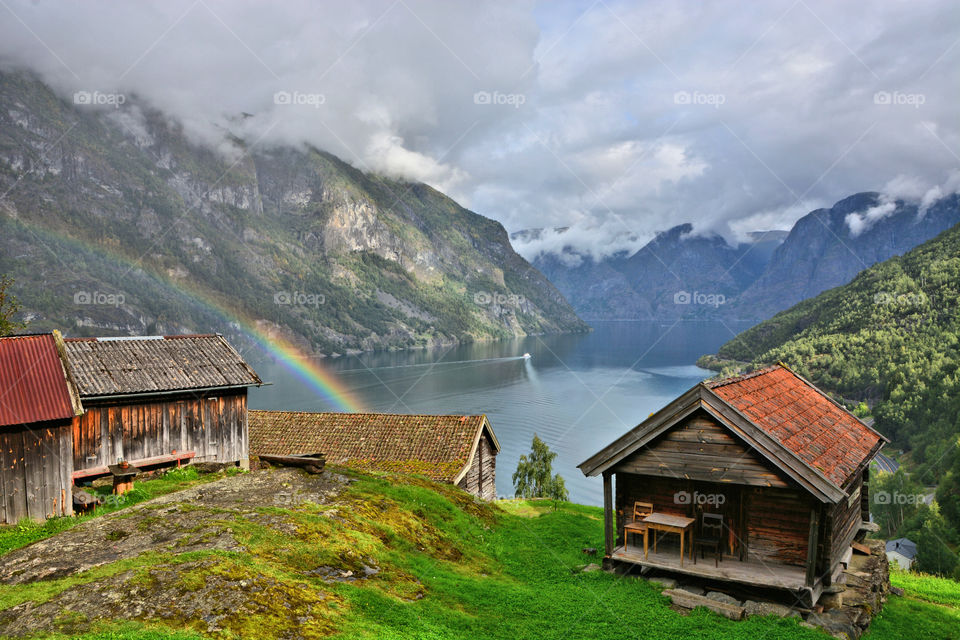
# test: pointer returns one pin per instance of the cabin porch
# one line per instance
(750, 573)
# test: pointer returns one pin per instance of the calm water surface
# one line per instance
(577, 392)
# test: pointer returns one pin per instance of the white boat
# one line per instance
(527, 356)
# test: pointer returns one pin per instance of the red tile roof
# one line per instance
(33, 382)
(802, 418)
(439, 447)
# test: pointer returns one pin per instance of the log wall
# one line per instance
(481, 478)
(36, 468)
(778, 524)
(843, 521)
(215, 427)
(701, 449)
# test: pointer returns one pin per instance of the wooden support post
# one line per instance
(812, 545)
(607, 514)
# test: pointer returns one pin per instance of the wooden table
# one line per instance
(668, 524)
(123, 478)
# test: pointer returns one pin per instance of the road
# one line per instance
(886, 464)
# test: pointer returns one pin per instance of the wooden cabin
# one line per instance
(459, 450)
(38, 402)
(159, 401)
(783, 465)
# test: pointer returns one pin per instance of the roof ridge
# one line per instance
(374, 413)
(713, 384)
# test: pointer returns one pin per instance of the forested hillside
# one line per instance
(890, 338)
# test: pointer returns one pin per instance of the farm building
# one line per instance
(158, 400)
(763, 476)
(459, 450)
(38, 402)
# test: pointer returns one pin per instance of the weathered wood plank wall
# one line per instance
(37, 465)
(213, 427)
(481, 478)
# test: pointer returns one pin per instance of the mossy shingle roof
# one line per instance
(437, 446)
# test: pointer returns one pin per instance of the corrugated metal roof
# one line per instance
(801, 418)
(437, 446)
(104, 367)
(33, 381)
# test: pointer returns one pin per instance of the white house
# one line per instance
(902, 552)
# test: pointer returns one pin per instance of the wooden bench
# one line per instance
(104, 470)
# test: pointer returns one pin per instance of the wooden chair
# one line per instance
(710, 535)
(636, 525)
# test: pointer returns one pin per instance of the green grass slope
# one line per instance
(450, 567)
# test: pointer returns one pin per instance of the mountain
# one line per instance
(825, 250)
(675, 274)
(679, 274)
(888, 338)
(114, 222)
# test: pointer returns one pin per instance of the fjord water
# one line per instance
(577, 392)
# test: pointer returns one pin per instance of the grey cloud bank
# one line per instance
(614, 119)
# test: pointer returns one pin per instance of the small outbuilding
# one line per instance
(38, 403)
(459, 450)
(764, 473)
(159, 400)
(902, 552)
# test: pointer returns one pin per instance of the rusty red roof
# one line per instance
(802, 418)
(437, 446)
(34, 383)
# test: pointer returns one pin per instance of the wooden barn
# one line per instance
(763, 476)
(158, 401)
(38, 402)
(460, 450)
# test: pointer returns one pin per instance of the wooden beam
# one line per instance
(812, 545)
(607, 514)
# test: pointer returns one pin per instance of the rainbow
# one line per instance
(301, 364)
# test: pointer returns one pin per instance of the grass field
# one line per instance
(452, 568)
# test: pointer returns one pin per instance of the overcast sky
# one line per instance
(618, 119)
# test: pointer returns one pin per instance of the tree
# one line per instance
(8, 307)
(534, 475)
(933, 551)
(894, 498)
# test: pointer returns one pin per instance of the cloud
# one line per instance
(617, 119)
(860, 222)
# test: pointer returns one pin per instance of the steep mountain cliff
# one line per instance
(679, 275)
(828, 247)
(113, 222)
